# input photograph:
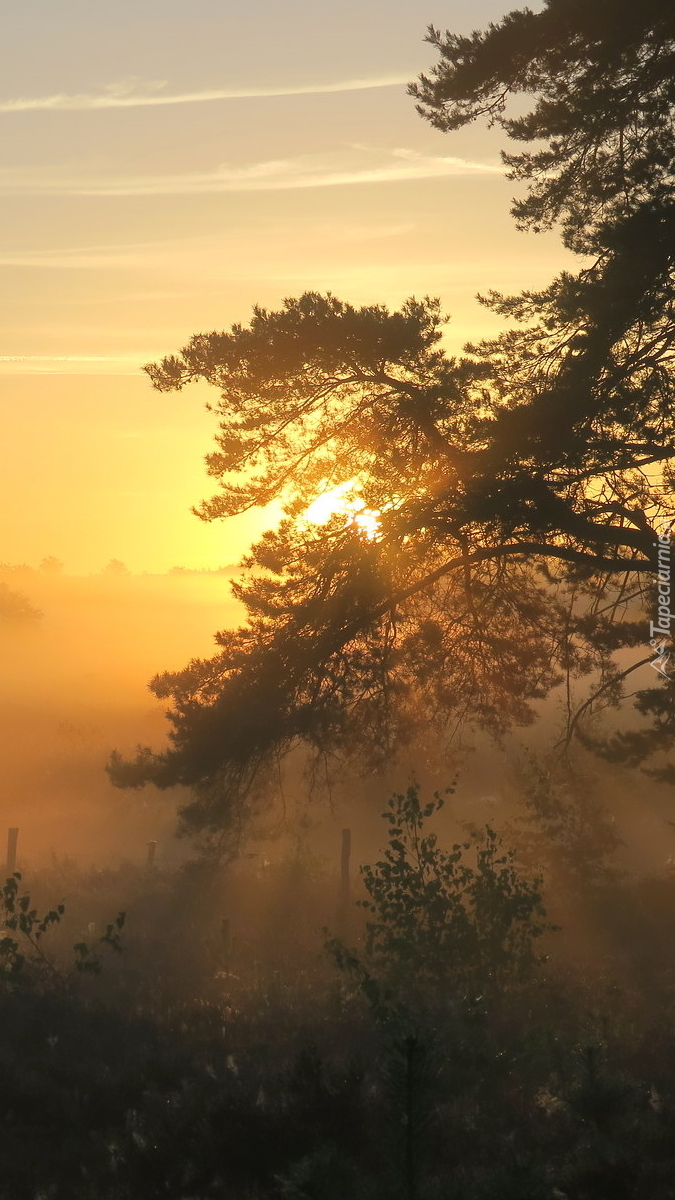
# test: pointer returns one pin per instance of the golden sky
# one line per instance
(166, 166)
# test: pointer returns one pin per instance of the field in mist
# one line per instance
(73, 687)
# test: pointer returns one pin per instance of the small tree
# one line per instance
(51, 565)
(116, 567)
(443, 924)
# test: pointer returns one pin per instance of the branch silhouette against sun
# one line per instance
(517, 490)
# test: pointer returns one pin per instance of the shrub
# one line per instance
(444, 925)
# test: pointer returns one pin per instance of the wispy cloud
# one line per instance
(209, 248)
(360, 165)
(127, 95)
(38, 358)
(73, 364)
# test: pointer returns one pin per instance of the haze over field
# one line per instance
(74, 686)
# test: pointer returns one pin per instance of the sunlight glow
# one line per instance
(342, 499)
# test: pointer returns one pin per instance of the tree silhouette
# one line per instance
(15, 608)
(604, 80)
(603, 75)
(517, 491)
(116, 567)
(51, 565)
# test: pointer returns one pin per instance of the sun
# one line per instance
(342, 499)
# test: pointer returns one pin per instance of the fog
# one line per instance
(73, 687)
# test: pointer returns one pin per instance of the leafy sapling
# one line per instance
(443, 925)
(22, 929)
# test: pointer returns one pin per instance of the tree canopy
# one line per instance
(515, 494)
(603, 76)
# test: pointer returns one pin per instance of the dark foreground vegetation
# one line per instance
(438, 1042)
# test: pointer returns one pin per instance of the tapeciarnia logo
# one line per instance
(659, 631)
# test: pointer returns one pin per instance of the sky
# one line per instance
(165, 166)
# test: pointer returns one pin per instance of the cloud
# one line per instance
(123, 95)
(58, 358)
(358, 165)
(208, 248)
(73, 364)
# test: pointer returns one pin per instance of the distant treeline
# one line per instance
(54, 568)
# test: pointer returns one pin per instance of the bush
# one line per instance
(445, 925)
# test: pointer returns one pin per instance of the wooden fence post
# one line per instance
(226, 941)
(12, 839)
(345, 882)
(344, 865)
